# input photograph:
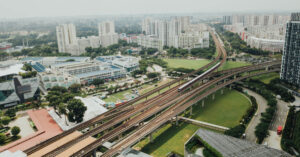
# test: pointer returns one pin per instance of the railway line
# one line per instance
(121, 129)
(173, 111)
(126, 108)
(167, 103)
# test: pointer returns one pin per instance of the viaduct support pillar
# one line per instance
(213, 96)
(203, 103)
(176, 120)
(222, 91)
(191, 110)
(94, 152)
(151, 138)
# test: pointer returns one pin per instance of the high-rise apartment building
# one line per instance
(107, 33)
(66, 37)
(106, 28)
(290, 68)
(227, 20)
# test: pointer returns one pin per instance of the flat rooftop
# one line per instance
(56, 144)
(230, 147)
(11, 70)
(46, 127)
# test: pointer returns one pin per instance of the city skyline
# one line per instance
(54, 8)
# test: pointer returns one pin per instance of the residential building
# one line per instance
(265, 44)
(66, 38)
(227, 20)
(150, 41)
(107, 33)
(290, 67)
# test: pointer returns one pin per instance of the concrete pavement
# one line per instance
(262, 106)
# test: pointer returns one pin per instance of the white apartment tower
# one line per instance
(106, 28)
(66, 37)
(107, 33)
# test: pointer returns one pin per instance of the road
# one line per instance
(262, 106)
(273, 140)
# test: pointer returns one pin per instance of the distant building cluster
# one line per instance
(65, 71)
(259, 31)
(178, 32)
(68, 41)
(290, 67)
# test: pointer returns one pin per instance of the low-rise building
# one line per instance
(266, 44)
(13, 88)
(128, 63)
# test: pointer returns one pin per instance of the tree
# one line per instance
(62, 110)
(5, 120)
(153, 75)
(11, 112)
(15, 131)
(27, 67)
(76, 110)
(75, 88)
(2, 138)
(236, 131)
(67, 97)
(98, 82)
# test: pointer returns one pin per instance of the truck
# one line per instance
(279, 130)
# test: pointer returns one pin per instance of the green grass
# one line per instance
(186, 63)
(116, 97)
(232, 64)
(266, 78)
(196, 64)
(226, 110)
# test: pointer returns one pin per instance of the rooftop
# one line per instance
(46, 127)
(233, 147)
(94, 108)
(11, 69)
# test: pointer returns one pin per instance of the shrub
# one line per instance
(5, 120)
(2, 138)
(15, 131)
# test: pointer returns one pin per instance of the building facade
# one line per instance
(290, 67)
(13, 88)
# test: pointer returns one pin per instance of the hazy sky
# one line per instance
(40, 8)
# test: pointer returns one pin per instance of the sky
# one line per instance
(53, 8)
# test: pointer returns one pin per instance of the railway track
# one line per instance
(113, 122)
(170, 113)
(116, 111)
(123, 128)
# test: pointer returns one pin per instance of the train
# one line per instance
(198, 77)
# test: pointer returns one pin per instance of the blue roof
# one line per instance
(38, 67)
(114, 67)
(94, 73)
(32, 58)
(67, 58)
